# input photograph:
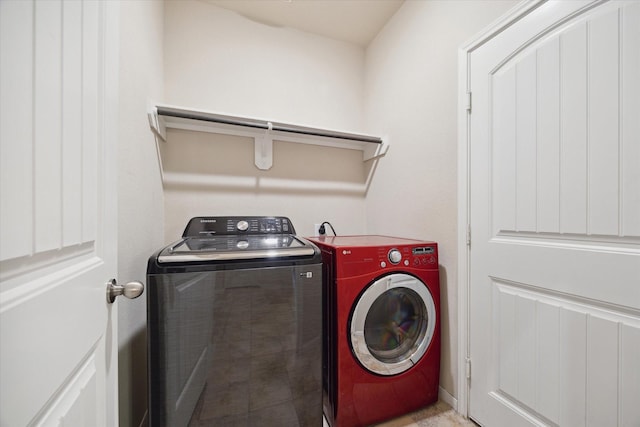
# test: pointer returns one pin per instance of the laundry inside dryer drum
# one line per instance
(395, 325)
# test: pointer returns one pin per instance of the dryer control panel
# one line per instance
(422, 256)
(358, 255)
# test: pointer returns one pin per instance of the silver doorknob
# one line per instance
(131, 290)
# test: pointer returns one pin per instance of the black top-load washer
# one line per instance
(234, 314)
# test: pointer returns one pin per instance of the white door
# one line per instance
(555, 219)
(58, 129)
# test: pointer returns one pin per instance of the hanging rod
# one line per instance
(263, 124)
(263, 132)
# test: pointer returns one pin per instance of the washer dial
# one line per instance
(242, 225)
(394, 256)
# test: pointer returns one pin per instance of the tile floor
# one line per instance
(437, 415)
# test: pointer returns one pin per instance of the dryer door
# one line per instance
(392, 324)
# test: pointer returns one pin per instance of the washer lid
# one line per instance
(228, 248)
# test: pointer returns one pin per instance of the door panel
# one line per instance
(50, 146)
(554, 195)
(16, 168)
(550, 347)
(550, 140)
(573, 131)
(58, 350)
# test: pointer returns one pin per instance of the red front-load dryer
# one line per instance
(382, 327)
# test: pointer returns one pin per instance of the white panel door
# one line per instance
(554, 290)
(58, 129)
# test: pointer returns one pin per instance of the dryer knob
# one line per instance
(242, 225)
(395, 256)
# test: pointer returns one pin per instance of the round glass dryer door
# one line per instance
(392, 324)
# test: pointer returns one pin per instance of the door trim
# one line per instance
(465, 107)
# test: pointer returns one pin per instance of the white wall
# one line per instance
(140, 198)
(411, 96)
(219, 61)
(207, 174)
(404, 86)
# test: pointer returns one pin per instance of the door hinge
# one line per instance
(468, 368)
(468, 102)
(469, 235)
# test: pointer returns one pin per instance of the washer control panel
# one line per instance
(376, 254)
(417, 257)
(424, 256)
(226, 225)
(394, 256)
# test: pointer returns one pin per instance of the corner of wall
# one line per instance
(140, 197)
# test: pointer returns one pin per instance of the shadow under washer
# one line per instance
(234, 314)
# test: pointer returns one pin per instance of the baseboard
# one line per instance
(448, 399)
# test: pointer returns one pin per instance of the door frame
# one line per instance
(112, 136)
(465, 106)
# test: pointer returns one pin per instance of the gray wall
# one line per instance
(140, 196)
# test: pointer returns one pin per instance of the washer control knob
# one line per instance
(395, 256)
(242, 225)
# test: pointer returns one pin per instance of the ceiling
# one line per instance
(353, 21)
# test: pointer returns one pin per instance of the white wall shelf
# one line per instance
(263, 132)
